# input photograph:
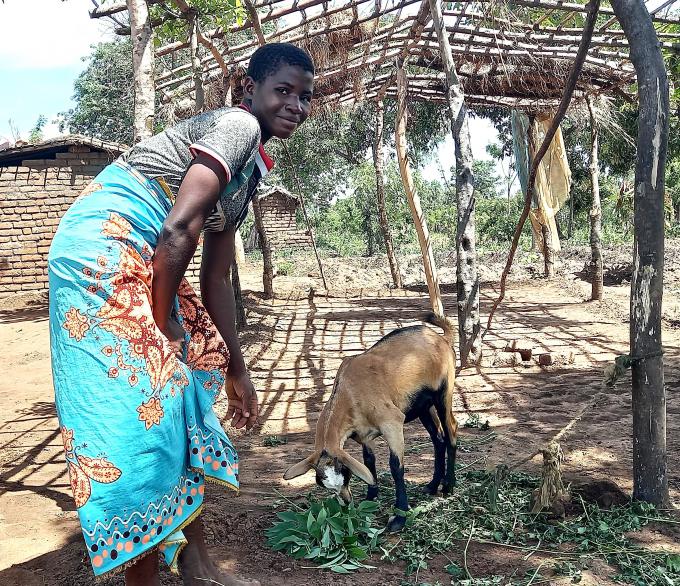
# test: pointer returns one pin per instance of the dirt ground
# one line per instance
(294, 345)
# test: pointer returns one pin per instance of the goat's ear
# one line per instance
(357, 468)
(300, 468)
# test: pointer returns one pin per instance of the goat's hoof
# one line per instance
(431, 488)
(371, 495)
(396, 523)
(448, 488)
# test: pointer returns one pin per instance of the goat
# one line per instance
(408, 374)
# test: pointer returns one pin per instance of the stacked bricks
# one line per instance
(278, 217)
(33, 197)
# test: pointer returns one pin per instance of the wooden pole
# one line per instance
(596, 269)
(467, 274)
(197, 68)
(241, 320)
(239, 250)
(548, 252)
(142, 63)
(380, 193)
(650, 480)
(592, 8)
(412, 195)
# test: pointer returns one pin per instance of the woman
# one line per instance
(137, 359)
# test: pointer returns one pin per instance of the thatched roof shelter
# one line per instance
(508, 52)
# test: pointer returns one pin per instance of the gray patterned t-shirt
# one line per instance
(231, 136)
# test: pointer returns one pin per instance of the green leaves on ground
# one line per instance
(333, 536)
(589, 533)
(343, 538)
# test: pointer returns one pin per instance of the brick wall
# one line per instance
(33, 198)
(278, 217)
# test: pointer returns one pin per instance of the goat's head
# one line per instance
(333, 471)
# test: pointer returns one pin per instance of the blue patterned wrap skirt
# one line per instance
(137, 422)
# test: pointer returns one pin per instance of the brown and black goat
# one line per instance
(408, 374)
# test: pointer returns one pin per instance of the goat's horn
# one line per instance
(357, 468)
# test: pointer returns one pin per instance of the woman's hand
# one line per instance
(175, 334)
(243, 407)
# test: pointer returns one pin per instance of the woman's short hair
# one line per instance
(270, 57)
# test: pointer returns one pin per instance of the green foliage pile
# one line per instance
(484, 511)
(332, 536)
(440, 525)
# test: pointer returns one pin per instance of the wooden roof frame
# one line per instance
(506, 55)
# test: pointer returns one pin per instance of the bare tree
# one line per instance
(412, 196)
(596, 276)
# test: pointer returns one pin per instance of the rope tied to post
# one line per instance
(613, 372)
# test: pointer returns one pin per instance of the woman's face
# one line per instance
(282, 101)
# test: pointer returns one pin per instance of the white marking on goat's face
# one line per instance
(332, 480)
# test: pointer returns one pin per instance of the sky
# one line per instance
(40, 57)
(38, 68)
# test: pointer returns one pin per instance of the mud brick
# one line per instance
(524, 347)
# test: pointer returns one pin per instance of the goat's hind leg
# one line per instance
(368, 450)
(450, 426)
(431, 422)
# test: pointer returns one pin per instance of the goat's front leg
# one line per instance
(368, 449)
(394, 436)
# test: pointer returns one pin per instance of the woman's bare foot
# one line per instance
(144, 572)
(196, 567)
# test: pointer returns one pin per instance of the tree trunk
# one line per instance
(596, 276)
(548, 252)
(239, 259)
(142, 62)
(467, 274)
(241, 321)
(380, 193)
(239, 251)
(196, 67)
(413, 198)
(510, 181)
(650, 480)
(558, 225)
(368, 229)
(265, 245)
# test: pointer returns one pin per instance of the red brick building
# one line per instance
(38, 182)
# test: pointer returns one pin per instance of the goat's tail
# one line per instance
(442, 322)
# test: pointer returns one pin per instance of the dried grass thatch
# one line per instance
(508, 52)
